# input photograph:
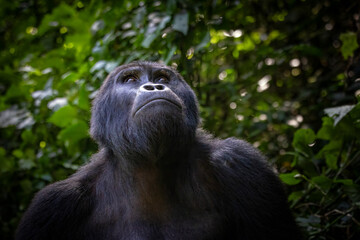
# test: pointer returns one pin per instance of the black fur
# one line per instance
(157, 175)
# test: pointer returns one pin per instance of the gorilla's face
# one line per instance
(144, 108)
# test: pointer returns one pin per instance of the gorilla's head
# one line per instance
(144, 110)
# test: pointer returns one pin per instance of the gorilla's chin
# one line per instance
(158, 105)
(159, 130)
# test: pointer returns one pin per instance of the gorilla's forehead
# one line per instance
(147, 67)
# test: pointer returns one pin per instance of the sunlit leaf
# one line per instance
(181, 22)
(97, 66)
(290, 178)
(97, 26)
(349, 44)
(337, 113)
(20, 118)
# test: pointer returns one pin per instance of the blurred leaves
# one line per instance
(64, 116)
(270, 72)
(181, 22)
(74, 132)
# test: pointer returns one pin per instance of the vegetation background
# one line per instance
(284, 75)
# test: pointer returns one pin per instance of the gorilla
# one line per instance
(157, 175)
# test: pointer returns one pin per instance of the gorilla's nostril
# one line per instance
(152, 87)
(159, 87)
(149, 87)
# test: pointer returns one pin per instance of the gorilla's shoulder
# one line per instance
(236, 164)
(234, 156)
(71, 191)
(233, 149)
(62, 193)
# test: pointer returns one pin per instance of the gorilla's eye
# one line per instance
(162, 79)
(129, 79)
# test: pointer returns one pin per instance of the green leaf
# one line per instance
(84, 98)
(181, 22)
(306, 164)
(302, 139)
(347, 182)
(323, 182)
(26, 164)
(6, 163)
(18, 153)
(170, 5)
(64, 116)
(170, 54)
(62, 13)
(327, 129)
(79, 42)
(204, 42)
(2, 152)
(290, 178)
(331, 152)
(152, 36)
(98, 66)
(352, 191)
(308, 50)
(338, 113)
(27, 136)
(26, 186)
(294, 196)
(331, 160)
(349, 44)
(149, 39)
(310, 220)
(74, 132)
(111, 65)
(15, 91)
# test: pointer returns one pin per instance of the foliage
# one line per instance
(325, 184)
(272, 72)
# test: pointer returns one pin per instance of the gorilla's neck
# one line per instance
(153, 187)
(159, 142)
(158, 151)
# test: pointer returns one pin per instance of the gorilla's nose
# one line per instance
(152, 87)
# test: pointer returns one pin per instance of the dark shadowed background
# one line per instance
(283, 75)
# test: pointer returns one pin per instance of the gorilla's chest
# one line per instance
(157, 217)
(198, 226)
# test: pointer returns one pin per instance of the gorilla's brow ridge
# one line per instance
(163, 71)
(135, 70)
(128, 71)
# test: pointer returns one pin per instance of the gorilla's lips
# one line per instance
(159, 100)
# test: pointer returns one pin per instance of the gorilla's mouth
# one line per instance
(157, 100)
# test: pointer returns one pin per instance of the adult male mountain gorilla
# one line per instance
(157, 176)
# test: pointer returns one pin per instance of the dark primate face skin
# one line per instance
(157, 175)
(148, 108)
